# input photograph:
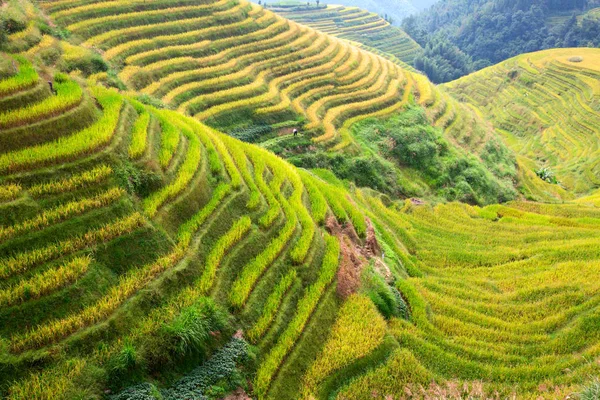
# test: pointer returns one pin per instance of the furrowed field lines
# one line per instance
(95, 175)
(354, 24)
(139, 137)
(305, 308)
(545, 112)
(64, 148)
(184, 175)
(23, 261)
(112, 38)
(169, 140)
(224, 244)
(358, 330)
(251, 272)
(62, 212)
(274, 210)
(45, 282)
(272, 306)
(507, 315)
(127, 286)
(187, 229)
(241, 162)
(240, 56)
(68, 94)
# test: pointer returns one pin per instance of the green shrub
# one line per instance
(387, 298)
(138, 181)
(191, 330)
(591, 391)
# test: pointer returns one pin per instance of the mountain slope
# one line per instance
(112, 229)
(111, 256)
(356, 25)
(396, 10)
(244, 70)
(547, 106)
(141, 249)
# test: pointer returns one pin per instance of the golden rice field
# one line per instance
(357, 25)
(142, 250)
(212, 59)
(546, 104)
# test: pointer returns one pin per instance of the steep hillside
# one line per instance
(135, 241)
(547, 105)
(118, 220)
(246, 71)
(354, 24)
(142, 251)
(396, 10)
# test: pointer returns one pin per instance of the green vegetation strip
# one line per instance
(268, 368)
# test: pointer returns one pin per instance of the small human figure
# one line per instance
(295, 131)
(51, 87)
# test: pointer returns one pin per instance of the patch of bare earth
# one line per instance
(354, 255)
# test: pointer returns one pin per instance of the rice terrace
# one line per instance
(222, 199)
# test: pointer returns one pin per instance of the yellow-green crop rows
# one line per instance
(546, 105)
(213, 58)
(78, 224)
(357, 25)
(117, 217)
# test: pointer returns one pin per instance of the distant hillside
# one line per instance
(547, 105)
(490, 31)
(396, 10)
(355, 24)
(423, 4)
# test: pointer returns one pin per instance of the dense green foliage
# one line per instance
(490, 31)
(409, 142)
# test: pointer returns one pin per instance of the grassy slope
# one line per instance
(546, 105)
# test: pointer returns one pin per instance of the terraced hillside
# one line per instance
(547, 105)
(357, 25)
(240, 68)
(118, 220)
(126, 235)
